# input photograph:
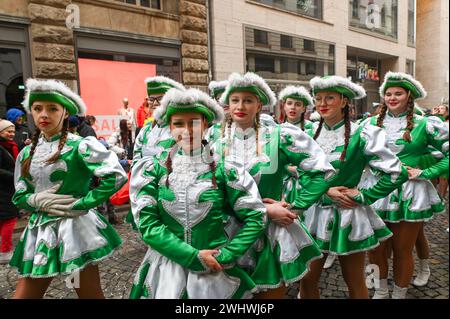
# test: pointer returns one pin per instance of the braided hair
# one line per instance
(302, 117)
(409, 118)
(347, 133)
(257, 126)
(212, 164)
(172, 152)
(25, 170)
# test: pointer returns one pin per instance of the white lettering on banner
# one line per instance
(105, 125)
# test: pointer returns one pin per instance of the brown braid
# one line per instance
(257, 126)
(382, 115)
(169, 162)
(212, 164)
(316, 135)
(347, 131)
(302, 121)
(62, 142)
(25, 170)
(229, 123)
(410, 120)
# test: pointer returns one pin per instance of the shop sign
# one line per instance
(367, 73)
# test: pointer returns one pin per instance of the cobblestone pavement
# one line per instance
(117, 272)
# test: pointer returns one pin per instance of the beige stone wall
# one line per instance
(125, 18)
(52, 48)
(432, 49)
(17, 8)
(194, 47)
(230, 16)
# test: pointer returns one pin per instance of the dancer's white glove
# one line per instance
(53, 204)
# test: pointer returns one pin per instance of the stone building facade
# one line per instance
(290, 41)
(46, 39)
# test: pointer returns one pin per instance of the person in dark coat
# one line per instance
(23, 134)
(85, 128)
(8, 211)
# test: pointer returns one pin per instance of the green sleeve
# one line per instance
(24, 188)
(243, 197)
(144, 206)
(303, 152)
(381, 160)
(103, 164)
(437, 136)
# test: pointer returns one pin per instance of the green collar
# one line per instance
(335, 126)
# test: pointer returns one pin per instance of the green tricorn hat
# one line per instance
(161, 84)
(217, 87)
(339, 85)
(191, 100)
(53, 91)
(406, 81)
(298, 93)
(249, 82)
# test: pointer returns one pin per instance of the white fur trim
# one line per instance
(401, 75)
(189, 96)
(335, 80)
(52, 85)
(165, 79)
(299, 90)
(217, 85)
(249, 79)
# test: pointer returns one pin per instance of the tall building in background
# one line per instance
(432, 49)
(105, 39)
(290, 41)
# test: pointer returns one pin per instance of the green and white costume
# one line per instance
(151, 141)
(344, 231)
(291, 182)
(416, 200)
(62, 243)
(179, 220)
(283, 254)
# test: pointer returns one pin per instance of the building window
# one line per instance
(355, 9)
(308, 45)
(380, 16)
(278, 61)
(331, 50)
(410, 67)
(154, 4)
(264, 64)
(261, 37)
(411, 22)
(311, 68)
(286, 41)
(312, 8)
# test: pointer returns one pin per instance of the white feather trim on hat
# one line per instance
(217, 85)
(52, 85)
(188, 97)
(335, 80)
(298, 90)
(401, 75)
(249, 79)
(161, 78)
